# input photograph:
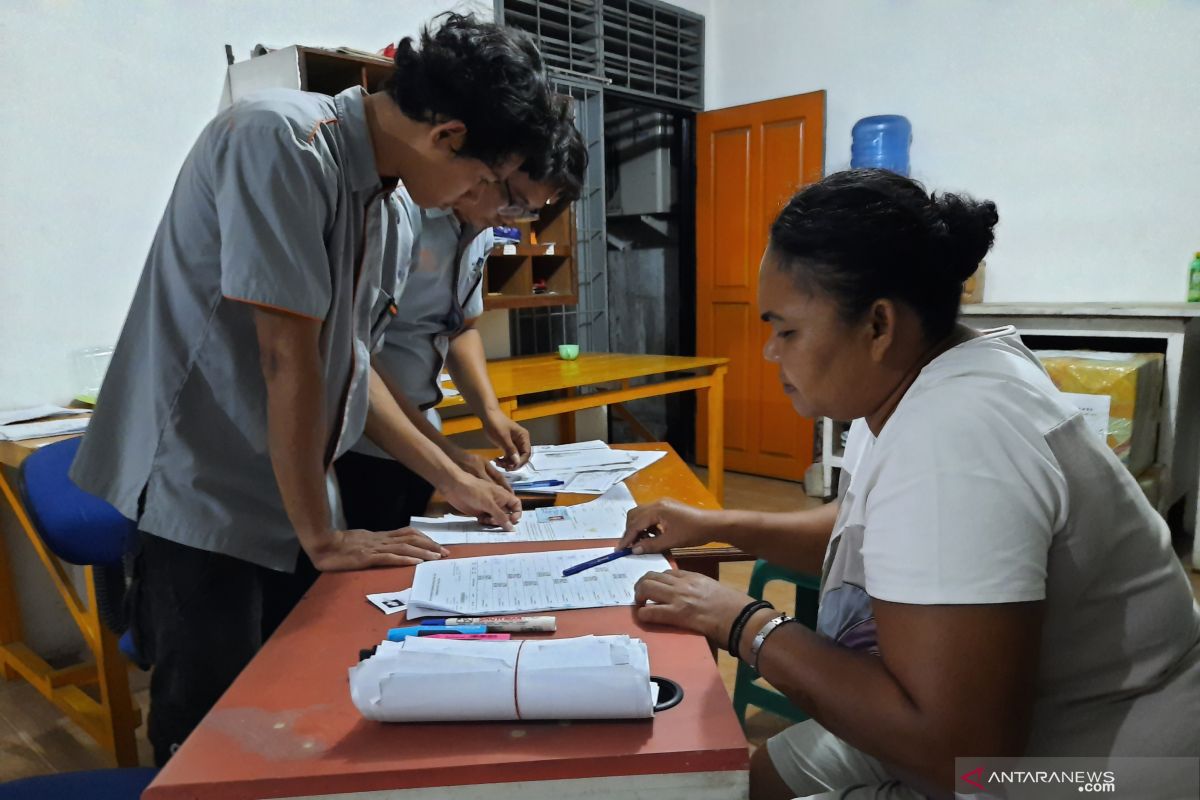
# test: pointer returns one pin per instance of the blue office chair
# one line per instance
(100, 784)
(81, 529)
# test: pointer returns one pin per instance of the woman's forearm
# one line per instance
(793, 539)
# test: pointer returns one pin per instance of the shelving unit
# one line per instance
(546, 253)
(312, 69)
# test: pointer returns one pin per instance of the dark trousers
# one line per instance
(379, 494)
(200, 617)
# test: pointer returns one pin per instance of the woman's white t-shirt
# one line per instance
(986, 486)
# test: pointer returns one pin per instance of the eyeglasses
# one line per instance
(514, 211)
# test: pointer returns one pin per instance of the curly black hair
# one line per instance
(490, 77)
(866, 234)
(563, 164)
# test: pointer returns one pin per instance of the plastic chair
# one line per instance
(81, 529)
(100, 784)
(745, 691)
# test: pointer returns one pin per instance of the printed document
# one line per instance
(517, 583)
(602, 518)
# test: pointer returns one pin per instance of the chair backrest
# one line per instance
(100, 784)
(80, 528)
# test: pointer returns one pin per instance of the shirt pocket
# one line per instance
(382, 312)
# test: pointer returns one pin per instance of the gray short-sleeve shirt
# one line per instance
(437, 301)
(279, 205)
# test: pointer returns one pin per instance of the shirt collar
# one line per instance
(361, 169)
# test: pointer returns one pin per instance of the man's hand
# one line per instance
(358, 549)
(477, 466)
(510, 437)
(484, 500)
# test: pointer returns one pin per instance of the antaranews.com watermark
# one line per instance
(1058, 778)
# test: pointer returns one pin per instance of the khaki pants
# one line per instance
(817, 765)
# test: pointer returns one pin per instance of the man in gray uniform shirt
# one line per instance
(441, 300)
(243, 369)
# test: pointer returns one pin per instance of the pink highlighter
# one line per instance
(486, 637)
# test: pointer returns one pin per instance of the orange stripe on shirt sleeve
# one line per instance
(269, 307)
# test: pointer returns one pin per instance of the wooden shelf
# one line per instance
(532, 251)
(512, 276)
(492, 301)
(330, 72)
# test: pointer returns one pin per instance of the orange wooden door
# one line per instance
(749, 160)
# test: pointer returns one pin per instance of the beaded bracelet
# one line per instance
(739, 624)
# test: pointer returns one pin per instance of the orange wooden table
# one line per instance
(287, 728)
(592, 373)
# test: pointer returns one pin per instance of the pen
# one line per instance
(595, 562)
(399, 634)
(501, 624)
(535, 484)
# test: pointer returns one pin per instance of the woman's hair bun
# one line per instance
(962, 233)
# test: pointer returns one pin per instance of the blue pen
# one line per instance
(536, 484)
(595, 562)
(399, 634)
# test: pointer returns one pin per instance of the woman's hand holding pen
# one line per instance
(676, 597)
(665, 524)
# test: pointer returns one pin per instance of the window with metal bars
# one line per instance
(567, 31)
(543, 329)
(653, 49)
(646, 48)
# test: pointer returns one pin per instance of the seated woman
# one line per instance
(994, 582)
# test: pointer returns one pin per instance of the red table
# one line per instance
(287, 728)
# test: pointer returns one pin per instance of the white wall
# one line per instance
(1079, 118)
(104, 101)
(107, 99)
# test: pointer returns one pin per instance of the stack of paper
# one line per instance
(584, 467)
(446, 680)
(602, 518)
(74, 422)
(520, 582)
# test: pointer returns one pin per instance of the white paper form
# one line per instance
(578, 456)
(588, 480)
(49, 427)
(1096, 409)
(517, 583)
(38, 412)
(602, 518)
(587, 677)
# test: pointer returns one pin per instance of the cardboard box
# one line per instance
(973, 287)
(1133, 381)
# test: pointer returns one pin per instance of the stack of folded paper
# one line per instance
(579, 468)
(446, 680)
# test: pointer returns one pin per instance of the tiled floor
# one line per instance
(35, 739)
